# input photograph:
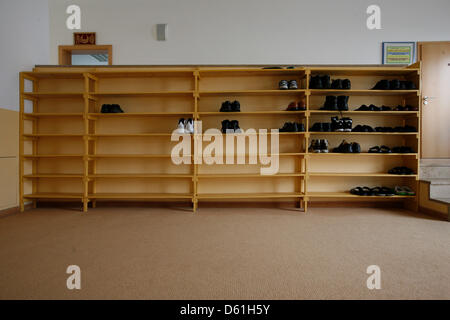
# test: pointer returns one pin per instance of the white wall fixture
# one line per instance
(161, 31)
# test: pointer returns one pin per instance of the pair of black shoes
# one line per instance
(406, 108)
(373, 107)
(228, 106)
(111, 108)
(394, 85)
(341, 125)
(320, 82)
(292, 127)
(401, 171)
(335, 103)
(402, 149)
(319, 146)
(341, 84)
(376, 191)
(346, 147)
(382, 149)
(231, 126)
(363, 128)
(321, 127)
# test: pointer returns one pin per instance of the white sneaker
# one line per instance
(180, 127)
(189, 126)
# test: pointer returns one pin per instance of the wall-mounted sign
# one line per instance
(80, 38)
(399, 52)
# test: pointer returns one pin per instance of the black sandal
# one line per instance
(375, 149)
(385, 149)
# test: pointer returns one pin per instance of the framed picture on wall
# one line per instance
(399, 52)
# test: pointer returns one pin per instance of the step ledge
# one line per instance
(438, 181)
(445, 200)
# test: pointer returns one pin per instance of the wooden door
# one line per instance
(435, 57)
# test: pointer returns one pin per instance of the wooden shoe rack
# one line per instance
(69, 151)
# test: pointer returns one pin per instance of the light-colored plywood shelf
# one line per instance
(252, 92)
(251, 113)
(141, 94)
(246, 175)
(140, 196)
(349, 195)
(359, 174)
(54, 176)
(352, 92)
(249, 195)
(53, 196)
(196, 90)
(365, 113)
(138, 175)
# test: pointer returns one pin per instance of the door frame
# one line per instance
(419, 59)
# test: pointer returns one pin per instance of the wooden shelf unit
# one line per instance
(71, 151)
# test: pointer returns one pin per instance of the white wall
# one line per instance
(24, 36)
(251, 31)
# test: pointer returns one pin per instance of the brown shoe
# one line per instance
(301, 105)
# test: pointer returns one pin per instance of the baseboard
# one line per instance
(435, 214)
(14, 210)
(357, 204)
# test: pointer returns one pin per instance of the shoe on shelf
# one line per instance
(234, 125)
(180, 126)
(287, 127)
(363, 108)
(346, 84)
(385, 149)
(348, 123)
(301, 105)
(411, 108)
(226, 106)
(315, 146)
(235, 106)
(401, 171)
(317, 127)
(326, 126)
(337, 125)
(106, 108)
(323, 144)
(283, 85)
(336, 84)
(342, 103)
(330, 103)
(404, 191)
(356, 148)
(315, 82)
(399, 108)
(344, 147)
(226, 126)
(292, 106)
(373, 107)
(386, 108)
(326, 81)
(115, 108)
(361, 191)
(300, 127)
(189, 126)
(382, 85)
(408, 85)
(394, 84)
(292, 85)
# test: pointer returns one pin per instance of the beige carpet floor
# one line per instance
(267, 253)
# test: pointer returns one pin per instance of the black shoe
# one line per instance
(226, 107)
(336, 124)
(381, 85)
(234, 125)
(283, 85)
(323, 145)
(330, 103)
(106, 108)
(373, 107)
(346, 84)
(363, 108)
(115, 108)
(326, 126)
(300, 127)
(326, 82)
(348, 123)
(315, 146)
(409, 85)
(315, 82)
(292, 85)
(344, 147)
(394, 85)
(287, 127)
(226, 126)
(317, 127)
(336, 84)
(236, 106)
(342, 103)
(356, 148)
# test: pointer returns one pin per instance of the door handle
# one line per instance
(427, 99)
